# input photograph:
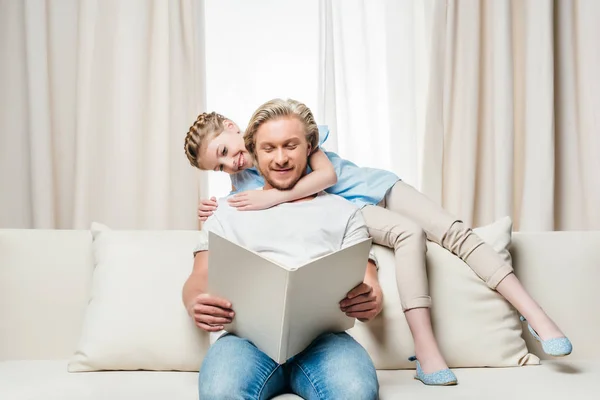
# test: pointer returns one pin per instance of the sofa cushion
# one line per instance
(474, 325)
(49, 380)
(553, 380)
(135, 318)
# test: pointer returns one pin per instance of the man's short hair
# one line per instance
(277, 109)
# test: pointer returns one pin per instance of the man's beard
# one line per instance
(280, 186)
(277, 186)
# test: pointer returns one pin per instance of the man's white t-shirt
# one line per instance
(291, 234)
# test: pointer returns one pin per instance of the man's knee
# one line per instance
(354, 386)
(231, 368)
(216, 380)
(345, 366)
(217, 390)
(350, 382)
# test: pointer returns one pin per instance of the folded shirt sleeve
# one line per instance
(212, 224)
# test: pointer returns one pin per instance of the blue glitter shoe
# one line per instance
(557, 347)
(444, 377)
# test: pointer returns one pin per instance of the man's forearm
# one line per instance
(196, 283)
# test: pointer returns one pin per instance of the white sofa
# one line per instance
(45, 281)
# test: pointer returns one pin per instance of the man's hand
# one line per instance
(206, 208)
(210, 312)
(256, 199)
(363, 302)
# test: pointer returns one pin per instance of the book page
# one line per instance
(256, 289)
(314, 293)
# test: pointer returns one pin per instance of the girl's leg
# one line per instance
(513, 291)
(451, 233)
(427, 350)
(408, 241)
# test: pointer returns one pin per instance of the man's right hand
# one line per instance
(210, 312)
(206, 208)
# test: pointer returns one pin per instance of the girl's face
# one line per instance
(227, 152)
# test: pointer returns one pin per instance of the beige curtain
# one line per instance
(490, 107)
(96, 97)
(513, 113)
(373, 74)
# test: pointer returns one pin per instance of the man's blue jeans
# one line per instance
(333, 367)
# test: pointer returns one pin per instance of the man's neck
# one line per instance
(307, 198)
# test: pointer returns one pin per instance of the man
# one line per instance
(280, 137)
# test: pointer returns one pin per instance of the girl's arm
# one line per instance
(323, 176)
(207, 206)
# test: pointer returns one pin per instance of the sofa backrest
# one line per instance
(45, 281)
(561, 270)
(45, 278)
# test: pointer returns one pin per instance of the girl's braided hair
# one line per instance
(206, 127)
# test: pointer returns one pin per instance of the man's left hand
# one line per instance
(255, 199)
(363, 302)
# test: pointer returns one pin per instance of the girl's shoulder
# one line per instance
(323, 134)
(244, 175)
(246, 179)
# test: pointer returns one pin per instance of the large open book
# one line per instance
(280, 309)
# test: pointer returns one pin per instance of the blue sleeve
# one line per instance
(234, 178)
(323, 134)
(248, 179)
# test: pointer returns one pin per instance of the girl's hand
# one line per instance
(206, 208)
(255, 199)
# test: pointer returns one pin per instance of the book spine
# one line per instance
(285, 322)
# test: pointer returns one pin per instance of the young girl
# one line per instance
(397, 216)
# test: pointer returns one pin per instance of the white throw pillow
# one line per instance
(135, 318)
(474, 325)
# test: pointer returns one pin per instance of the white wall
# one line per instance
(255, 51)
